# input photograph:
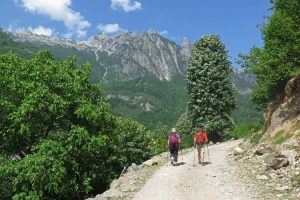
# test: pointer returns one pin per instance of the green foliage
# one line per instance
(245, 111)
(296, 179)
(168, 99)
(56, 126)
(133, 143)
(7, 44)
(184, 124)
(277, 61)
(280, 137)
(255, 138)
(245, 130)
(211, 93)
(185, 127)
(159, 138)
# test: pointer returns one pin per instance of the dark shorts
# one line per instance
(174, 153)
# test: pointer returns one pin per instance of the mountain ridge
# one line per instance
(141, 74)
(157, 55)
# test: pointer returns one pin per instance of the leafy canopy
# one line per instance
(278, 60)
(54, 129)
(211, 93)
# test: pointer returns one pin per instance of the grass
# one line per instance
(256, 138)
(296, 178)
(280, 137)
(296, 127)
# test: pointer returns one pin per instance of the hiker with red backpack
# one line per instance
(200, 139)
(174, 145)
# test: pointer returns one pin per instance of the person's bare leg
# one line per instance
(202, 156)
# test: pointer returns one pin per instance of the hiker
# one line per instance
(174, 144)
(200, 139)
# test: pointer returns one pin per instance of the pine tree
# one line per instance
(211, 93)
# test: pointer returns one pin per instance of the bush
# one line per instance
(159, 139)
(133, 142)
(245, 130)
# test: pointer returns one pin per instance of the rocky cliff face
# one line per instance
(139, 53)
(285, 113)
(243, 82)
(276, 158)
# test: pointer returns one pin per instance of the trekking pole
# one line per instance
(167, 156)
(194, 157)
(181, 154)
(208, 152)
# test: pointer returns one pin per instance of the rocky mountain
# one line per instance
(142, 74)
(139, 53)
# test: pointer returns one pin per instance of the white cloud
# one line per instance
(40, 30)
(109, 28)
(126, 5)
(14, 28)
(59, 10)
(163, 33)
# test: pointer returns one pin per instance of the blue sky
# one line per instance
(234, 20)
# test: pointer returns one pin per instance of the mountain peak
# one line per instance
(151, 31)
(186, 48)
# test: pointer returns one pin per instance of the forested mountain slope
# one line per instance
(142, 74)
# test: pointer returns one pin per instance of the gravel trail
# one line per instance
(214, 181)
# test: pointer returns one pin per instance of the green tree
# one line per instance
(159, 138)
(211, 93)
(133, 142)
(184, 126)
(278, 60)
(55, 129)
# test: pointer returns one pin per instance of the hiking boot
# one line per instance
(172, 160)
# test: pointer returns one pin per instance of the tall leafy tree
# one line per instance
(211, 93)
(278, 60)
(55, 129)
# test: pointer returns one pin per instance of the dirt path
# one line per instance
(187, 182)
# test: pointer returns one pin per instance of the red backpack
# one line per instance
(174, 140)
(200, 137)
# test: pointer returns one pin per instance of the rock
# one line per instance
(238, 151)
(282, 162)
(262, 177)
(291, 143)
(150, 163)
(262, 149)
(246, 145)
(140, 166)
(270, 159)
(289, 154)
(283, 188)
(115, 184)
(276, 161)
(133, 167)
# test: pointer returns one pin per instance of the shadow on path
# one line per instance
(206, 163)
(179, 163)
